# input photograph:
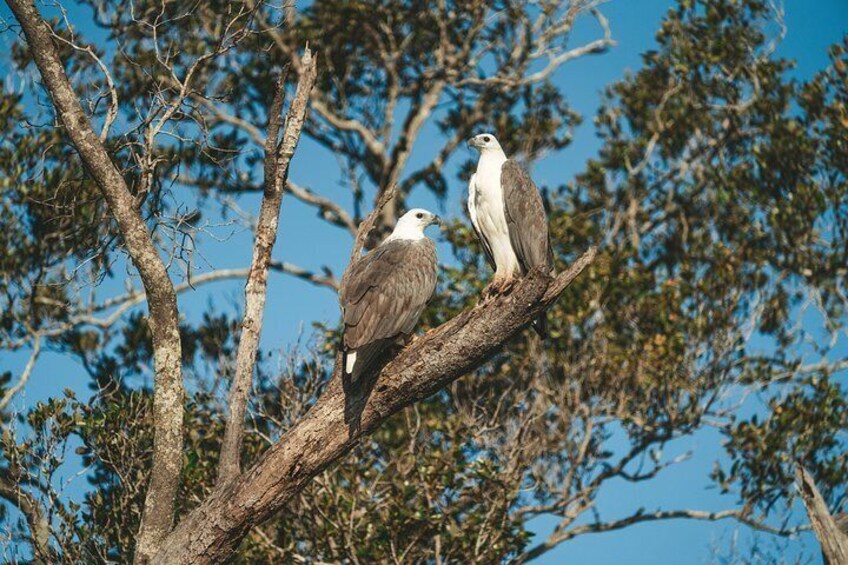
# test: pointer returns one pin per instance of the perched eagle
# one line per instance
(384, 293)
(509, 217)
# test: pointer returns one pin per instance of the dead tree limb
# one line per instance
(278, 155)
(158, 514)
(833, 540)
(212, 532)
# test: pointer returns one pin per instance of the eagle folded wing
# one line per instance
(386, 292)
(526, 218)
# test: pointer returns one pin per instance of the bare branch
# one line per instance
(112, 112)
(368, 224)
(125, 302)
(278, 155)
(403, 149)
(326, 279)
(641, 516)
(591, 48)
(542, 50)
(218, 112)
(319, 103)
(330, 211)
(164, 322)
(374, 145)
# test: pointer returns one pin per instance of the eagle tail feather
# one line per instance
(540, 324)
(365, 358)
(350, 362)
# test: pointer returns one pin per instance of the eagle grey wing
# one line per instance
(362, 274)
(386, 292)
(472, 213)
(526, 218)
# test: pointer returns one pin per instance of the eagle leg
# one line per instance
(498, 287)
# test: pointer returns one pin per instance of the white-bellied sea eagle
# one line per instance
(384, 293)
(509, 217)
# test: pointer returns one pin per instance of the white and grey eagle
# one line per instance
(384, 293)
(509, 217)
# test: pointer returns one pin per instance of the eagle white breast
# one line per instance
(486, 208)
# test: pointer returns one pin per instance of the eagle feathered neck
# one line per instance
(491, 157)
(406, 232)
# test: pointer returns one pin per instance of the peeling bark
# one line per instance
(212, 532)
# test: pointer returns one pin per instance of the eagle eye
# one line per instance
(486, 138)
(419, 215)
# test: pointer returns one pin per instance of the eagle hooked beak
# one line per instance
(436, 220)
(473, 143)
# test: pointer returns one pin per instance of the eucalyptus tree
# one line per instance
(717, 205)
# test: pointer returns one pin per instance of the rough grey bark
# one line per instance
(278, 155)
(212, 532)
(157, 518)
(833, 539)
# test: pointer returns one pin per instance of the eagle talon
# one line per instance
(497, 287)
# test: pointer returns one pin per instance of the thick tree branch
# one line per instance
(158, 513)
(278, 155)
(211, 533)
(833, 540)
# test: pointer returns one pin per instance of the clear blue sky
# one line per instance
(307, 241)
